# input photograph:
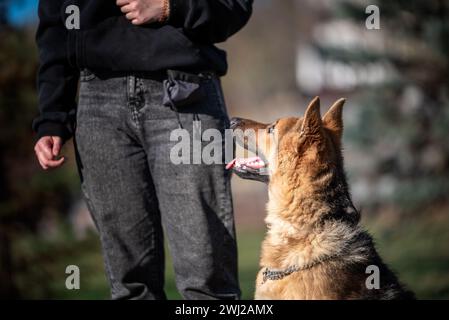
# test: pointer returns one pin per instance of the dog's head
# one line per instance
(291, 145)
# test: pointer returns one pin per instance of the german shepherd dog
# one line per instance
(314, 247)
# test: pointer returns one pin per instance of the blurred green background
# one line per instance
(396, 152)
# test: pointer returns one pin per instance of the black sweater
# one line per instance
(106, 40)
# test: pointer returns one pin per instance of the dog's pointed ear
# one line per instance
(312, 119)
(333, 119)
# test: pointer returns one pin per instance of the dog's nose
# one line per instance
(235, 122)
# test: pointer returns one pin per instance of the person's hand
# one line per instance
(143, 11)
(47, 150)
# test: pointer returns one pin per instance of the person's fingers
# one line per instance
(57, 144)
(136, 22)
(40, 162)
(38, 156)
(45, 147)
(41, 158)
(47, 163)
(55, 163)
(127, 8)
(45, 142)
(122, 2)
(132, 15)
(45, 158)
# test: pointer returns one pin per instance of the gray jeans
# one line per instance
(132, 189)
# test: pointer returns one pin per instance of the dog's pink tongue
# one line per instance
(253, 162)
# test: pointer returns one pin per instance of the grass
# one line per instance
(249, 248)
(416, 248)
(43, 264)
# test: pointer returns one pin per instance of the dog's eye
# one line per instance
(270, 129)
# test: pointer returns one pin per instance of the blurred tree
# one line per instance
(262, 57)
(26, 194)
(404, 119)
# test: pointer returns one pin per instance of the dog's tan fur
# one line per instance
(311, 221)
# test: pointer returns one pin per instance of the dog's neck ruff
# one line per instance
(272, 274)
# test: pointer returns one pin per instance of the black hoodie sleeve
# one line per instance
(57, 81)
(210, 21)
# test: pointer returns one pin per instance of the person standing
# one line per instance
(144, 68)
